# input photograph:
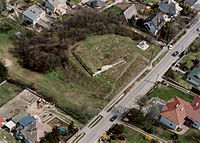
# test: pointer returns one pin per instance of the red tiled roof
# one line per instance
(177, 109)
(1, 121)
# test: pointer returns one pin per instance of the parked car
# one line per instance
(169, 47)
(175, 54)
(113, 118)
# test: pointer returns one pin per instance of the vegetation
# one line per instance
(52, 136)
(166, 93)
(7, 92)
(3, 72)
(6, 137)
(114, 9)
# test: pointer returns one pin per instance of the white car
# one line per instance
(169, 47)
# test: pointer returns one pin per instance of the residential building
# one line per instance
(170, 7)
(130, 12)
(194, 76)
(32, 15)
(155, 22)
(178, 112)
(57, 6)
(25, 122)
(34, 132)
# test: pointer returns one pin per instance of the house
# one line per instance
(1, 121)
(9, 125)
(57, 6)
(34, 132)
(155, 22)
(178, 112)
(96, 4)
(194, 76)
(130, 12)
(170, 7)
(25, 122)
(32, 15)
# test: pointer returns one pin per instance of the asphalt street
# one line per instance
(92, 135)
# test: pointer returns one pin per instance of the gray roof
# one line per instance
(19, 116)
(96, 3)
(191, 2)
(130, 12)
(157, 19)
(35, 131)
(169, 6)
(194, 76)
(55, 3)
(33, 12)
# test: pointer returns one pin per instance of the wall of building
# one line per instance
(168, 123)
(196, 124)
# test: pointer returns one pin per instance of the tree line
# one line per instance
(46, 51)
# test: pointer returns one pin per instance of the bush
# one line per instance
(3, 72)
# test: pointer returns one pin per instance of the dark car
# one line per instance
(175, 54)
(113, 118)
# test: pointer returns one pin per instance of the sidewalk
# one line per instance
(143, 132)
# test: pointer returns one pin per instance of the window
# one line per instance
(170, 124)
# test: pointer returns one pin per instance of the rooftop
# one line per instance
(194, 76)
(25, 122)
(177, 109)
(34, 12)
(56, 3)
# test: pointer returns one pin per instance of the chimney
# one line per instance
(181, 109)
(177, 105)
(197, 103)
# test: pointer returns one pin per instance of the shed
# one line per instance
(10, 125)
(25, 122)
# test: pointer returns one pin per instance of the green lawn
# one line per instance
(5, 136)
(65, 16)
(7, 92)
(115, 9)
(187, 137)
(166, 93)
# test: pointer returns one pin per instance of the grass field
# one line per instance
(115, 9)
(7, 92)
(166, 93)
(74, 90)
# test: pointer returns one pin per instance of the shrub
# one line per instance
(3, 72)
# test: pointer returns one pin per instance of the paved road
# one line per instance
(141, 88)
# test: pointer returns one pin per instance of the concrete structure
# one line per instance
(155, 22)
(32, 15)
(130, 12)
(194, 76)
(143, 45)
(57, 6)
(178, 112)
(170, 7)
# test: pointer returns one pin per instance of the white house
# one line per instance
(170, 7)
(57, 6)
(155, 22)
(32, 15)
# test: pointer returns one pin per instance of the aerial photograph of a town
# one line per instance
(99, 71)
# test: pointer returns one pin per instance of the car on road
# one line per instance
(175, 53)
(113, 118)
(169, 47)
(198, 29)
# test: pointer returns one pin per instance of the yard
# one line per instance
(5, 137)
(166, 93)
(7, 92)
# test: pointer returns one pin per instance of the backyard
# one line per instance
(7, 92)
(5, 137)
(166, 93)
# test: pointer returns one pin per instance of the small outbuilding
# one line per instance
(9, 125)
